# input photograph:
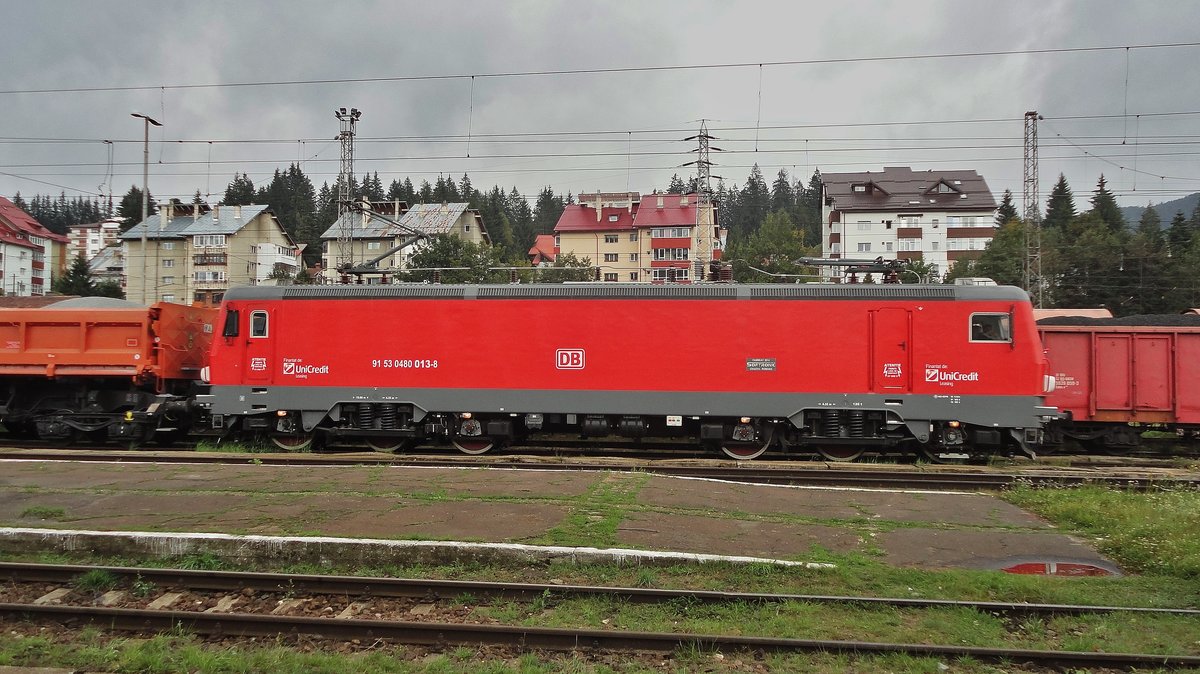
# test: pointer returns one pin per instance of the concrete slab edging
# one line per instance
(329, 549)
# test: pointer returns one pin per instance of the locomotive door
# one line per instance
(891, 349)
(259, 345)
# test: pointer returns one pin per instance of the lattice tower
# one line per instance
(344, 250)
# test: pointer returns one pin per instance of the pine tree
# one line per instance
(1179, 234)
(783, 198)
(1007, 211)
(240, 191)
(1060, 207)
(1104, 205)
(676, 186)
(131, 207)
(77, 280)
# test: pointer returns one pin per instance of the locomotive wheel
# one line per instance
(384, 444)
(296, 442)
(473, 446)
(839, 453)
(744, 451)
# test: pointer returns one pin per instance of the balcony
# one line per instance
(205, 259)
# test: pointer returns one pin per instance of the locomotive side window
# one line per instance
(991, 328)
(258, 324)
(231, 324)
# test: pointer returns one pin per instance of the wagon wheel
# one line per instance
(293, 442)
(839, 453)
(744, 451)
(386, 444)
(473, 446)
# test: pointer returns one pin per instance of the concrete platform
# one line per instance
(624, 511)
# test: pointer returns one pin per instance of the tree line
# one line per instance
(1093, 258)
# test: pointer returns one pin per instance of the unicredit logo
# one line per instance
(936, 375)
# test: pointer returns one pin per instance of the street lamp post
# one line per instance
(147, 121)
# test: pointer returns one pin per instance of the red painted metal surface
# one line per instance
(1125, 374)
(919, 347)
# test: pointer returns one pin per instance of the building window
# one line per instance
(210, 276)
(864, 247)
(373, 245)
(168, 263)
(202, 298)
(864, 225)
(633, 236)
(610, 277)
(835, 248)
(861, 189)
(209, 241)
(669, 274)
(168, 280)
(210, 258)
(670, 254)
(613, 218)
(466, 226)
(633, 257)
(611, 257)
(670, 233)
(168, 245)
(887, 246)
(935, 223)
(933, 245)
(556, 240)
(168, 298)
(610, 238)
(633, 276)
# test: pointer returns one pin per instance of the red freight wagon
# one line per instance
(1115, 381)
(101, 368)
(834, 369)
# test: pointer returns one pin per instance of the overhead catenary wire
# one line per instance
(598, 71)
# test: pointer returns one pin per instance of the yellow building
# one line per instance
(635, 239)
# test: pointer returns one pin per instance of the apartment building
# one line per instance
(634, 239)
(191, 253)
(936, 216)
(369, 236)
(32, 256)
(89, 239)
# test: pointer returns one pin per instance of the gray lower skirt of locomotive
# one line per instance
(1019, 413)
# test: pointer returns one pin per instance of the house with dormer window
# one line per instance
(936, 216)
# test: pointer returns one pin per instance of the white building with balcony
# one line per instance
(939, 217)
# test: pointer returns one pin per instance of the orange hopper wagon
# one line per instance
(101, 369)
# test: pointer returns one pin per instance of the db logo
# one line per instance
(569, 359)
(289, 368)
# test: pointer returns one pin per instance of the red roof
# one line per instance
(9, 237)
(543, 249)
(580, 218)
(670, 215)
(23, 222)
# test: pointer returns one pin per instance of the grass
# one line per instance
(44, 513)
(1148, 532)
(96, 580)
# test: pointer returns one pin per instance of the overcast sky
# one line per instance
(847, 116)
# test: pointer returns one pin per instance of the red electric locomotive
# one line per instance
(835, 369)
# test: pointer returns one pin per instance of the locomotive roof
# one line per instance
(863, 291)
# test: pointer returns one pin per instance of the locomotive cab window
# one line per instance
(258, 324)
(231, 324)
(991, 328)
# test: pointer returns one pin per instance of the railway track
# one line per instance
(238, 604)
(810, 474)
